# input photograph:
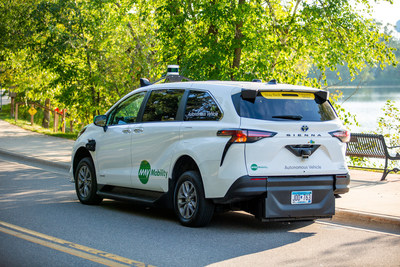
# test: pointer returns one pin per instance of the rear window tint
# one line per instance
(201, 107)
(284, 107)
(162, 105)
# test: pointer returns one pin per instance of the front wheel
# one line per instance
(85, 182)
(190, 204)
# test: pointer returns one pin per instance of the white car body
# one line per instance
(144, 155)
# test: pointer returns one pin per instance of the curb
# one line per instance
(359, 218)
(60, 165)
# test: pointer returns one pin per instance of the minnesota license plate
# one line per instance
(301, 197)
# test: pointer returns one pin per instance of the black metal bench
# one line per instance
(371, 146)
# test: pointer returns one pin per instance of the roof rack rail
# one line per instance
(273, 81)
(171, 76)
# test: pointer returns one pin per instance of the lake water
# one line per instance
(367, 103)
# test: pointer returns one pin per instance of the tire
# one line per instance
(190, 205)
(86, 183)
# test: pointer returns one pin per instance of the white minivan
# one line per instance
(274, 150)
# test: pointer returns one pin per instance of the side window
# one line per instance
(201, 107)
(127, 111)
(162, 105)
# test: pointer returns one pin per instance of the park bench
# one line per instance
(371, 146)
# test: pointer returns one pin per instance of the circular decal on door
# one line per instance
(144, 171)
(254, 167)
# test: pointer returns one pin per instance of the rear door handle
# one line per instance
(138, 130)
(126, 131)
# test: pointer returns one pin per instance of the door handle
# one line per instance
(126, 131)
(138, 130)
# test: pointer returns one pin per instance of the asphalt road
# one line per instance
(43, 224)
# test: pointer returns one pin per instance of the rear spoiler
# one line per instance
(250, 95)
(321, 96)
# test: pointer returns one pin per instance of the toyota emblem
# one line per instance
(304, 128)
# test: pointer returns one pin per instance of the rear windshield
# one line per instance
(282, 106)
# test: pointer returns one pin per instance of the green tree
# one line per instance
(236, 39)
(96, 51)
(84, 55)
(372, 74)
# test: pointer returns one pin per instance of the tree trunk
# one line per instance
(55, 123)
(95, 96)
(237, 54)
(284, 35)
(46, 117)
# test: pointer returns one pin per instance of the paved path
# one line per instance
(39, 147)
(368, 194)
(371, 202)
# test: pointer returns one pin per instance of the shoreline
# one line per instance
(363, 86)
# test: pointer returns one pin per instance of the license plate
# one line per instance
(301, 197)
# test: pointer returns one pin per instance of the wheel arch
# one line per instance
(184, 163)
(80, 153)
(205, 207)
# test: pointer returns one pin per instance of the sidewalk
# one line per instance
(370, 202)
(28, 145)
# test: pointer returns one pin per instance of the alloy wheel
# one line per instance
(84, 181)
(187, 200)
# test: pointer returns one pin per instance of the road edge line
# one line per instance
(69, 245)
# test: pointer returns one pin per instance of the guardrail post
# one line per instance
(16, 112)
(63, 121)
(12, 95)
(55, 121)
(46, 116)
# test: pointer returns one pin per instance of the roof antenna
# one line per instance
(173, 70)
(171, 76)
(273, 81)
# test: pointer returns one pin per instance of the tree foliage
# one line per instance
(84, 55)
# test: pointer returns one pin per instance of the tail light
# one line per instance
(242, 136)
(343, 136)
(245, 136)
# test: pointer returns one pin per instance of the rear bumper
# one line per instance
(273, 195)
(341, 184)
(277, 204)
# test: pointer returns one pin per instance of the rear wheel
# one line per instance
(86, 183)
(190, 204)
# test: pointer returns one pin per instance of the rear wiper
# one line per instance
(288, 117)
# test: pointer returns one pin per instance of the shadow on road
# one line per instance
(45, 201)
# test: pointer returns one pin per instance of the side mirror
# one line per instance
(100, 121)
(321, 96)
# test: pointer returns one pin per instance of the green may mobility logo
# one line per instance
(145, 171)
(255, 167)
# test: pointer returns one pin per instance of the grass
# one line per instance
(370, 169)
(26, 124)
